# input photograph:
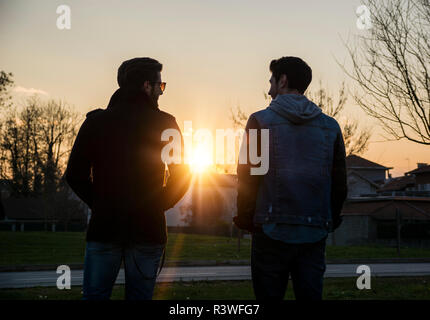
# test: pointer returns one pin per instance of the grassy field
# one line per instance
(334, 289)
(69, 247)
(18, 248)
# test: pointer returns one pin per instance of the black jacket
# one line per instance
(115, 167)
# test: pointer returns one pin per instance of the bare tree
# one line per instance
(57, 130)
(391, 65)
(35, 143)
(64, 208)
(356, 139)
(17, 144)
(238, 117)
(326, 101)
(6, 81)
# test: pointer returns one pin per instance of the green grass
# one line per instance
(334, 289)
(19, 248)
(41, 247)
(376, 251)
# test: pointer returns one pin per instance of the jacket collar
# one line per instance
(131, 99)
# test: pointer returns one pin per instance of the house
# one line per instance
(373, 220)
(398, 184)
(413, 183)
(359, 185)
(208, 206)
(364, 176)
(422, 177)
(64, 211)
(25, 211)
(214, 201)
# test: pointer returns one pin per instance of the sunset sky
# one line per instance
(215, 55)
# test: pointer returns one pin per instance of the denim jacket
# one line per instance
(306, 180)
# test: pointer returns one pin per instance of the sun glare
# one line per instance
(201, 159)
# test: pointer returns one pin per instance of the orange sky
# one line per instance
(215, 55)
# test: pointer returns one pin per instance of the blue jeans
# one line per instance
(103, 262)
(272, 262)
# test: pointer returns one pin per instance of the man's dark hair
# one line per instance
(133, 72)
(299, 74)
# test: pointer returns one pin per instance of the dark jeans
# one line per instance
(273, 261)
(102, 264)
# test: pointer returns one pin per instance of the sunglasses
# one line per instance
(162, 85)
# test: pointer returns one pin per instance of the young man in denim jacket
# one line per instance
(291, 209)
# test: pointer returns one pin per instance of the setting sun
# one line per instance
(201, 158)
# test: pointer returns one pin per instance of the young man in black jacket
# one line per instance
(115, 167)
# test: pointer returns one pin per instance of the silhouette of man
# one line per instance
(292, 208)
(115, 167)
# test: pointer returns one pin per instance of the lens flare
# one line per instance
(201, 159)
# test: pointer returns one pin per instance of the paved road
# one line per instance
(170, 274)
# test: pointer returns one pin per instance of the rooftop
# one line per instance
(422, 169)
(398, 184)
(385, 208)
(353, 161)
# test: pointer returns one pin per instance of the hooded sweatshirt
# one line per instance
(294, 107)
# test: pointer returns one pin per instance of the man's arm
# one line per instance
(247, 184)
(178, 180)
(339, 188)
(78, 172)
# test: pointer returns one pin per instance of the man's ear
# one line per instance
(283, 81)
(146, 87)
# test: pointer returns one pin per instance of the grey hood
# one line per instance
(295, 107)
